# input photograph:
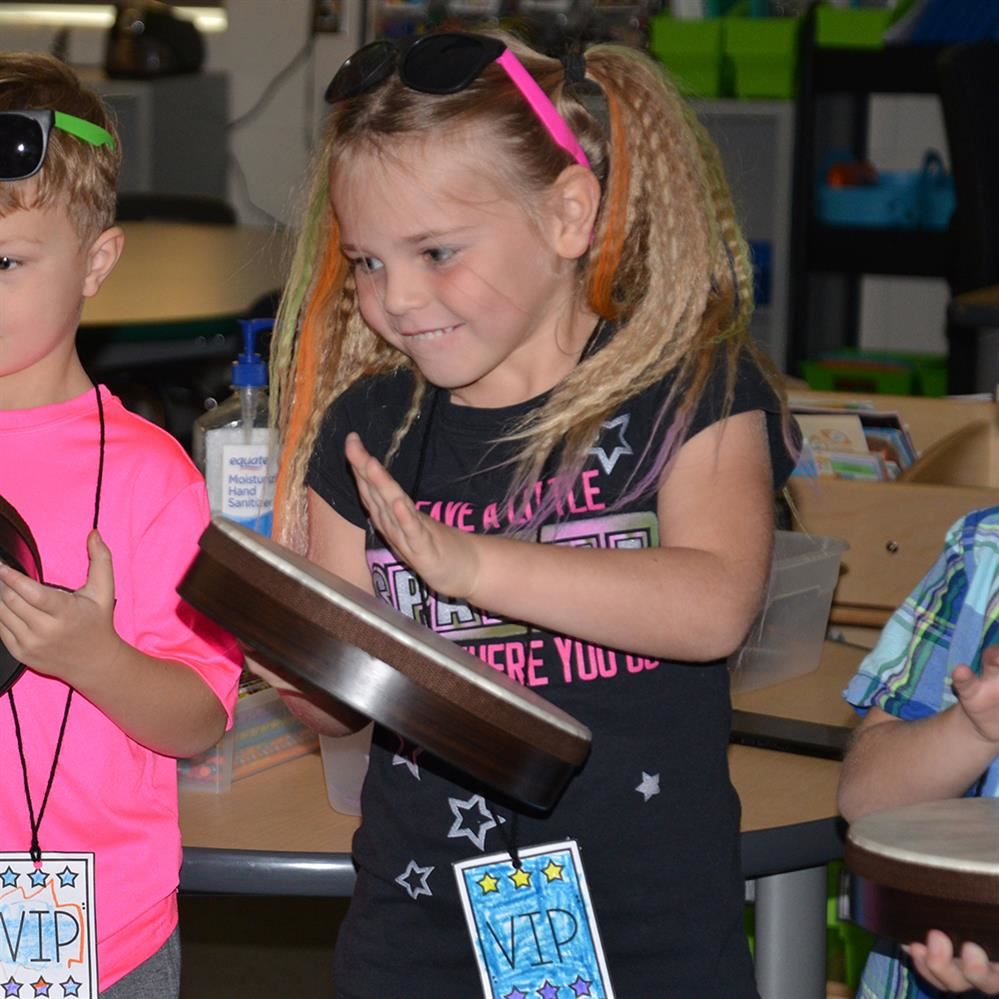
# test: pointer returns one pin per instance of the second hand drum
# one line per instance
(17, 549)
(933, 865)
(326, 636)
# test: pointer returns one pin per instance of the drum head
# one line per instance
(933, 865)
(17, 549)
(330, 638)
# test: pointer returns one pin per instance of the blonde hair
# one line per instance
(667, 265)
(82, 176)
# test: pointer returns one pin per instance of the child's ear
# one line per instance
(101, 258)
(575, 201)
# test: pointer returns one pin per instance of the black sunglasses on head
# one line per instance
(447, 64)
(24, 139)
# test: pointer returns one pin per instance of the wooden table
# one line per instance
(275, 833)
(178, 273)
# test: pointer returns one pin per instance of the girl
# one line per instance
(519, 402)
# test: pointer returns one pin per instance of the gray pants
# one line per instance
(158, 977)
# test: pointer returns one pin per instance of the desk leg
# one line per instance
(790, 921)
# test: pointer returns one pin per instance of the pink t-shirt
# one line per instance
(110, 795)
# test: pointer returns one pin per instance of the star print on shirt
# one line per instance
(619, 450)
(407, 760)
(415, 886)
(649, 787)
(8, 878)
(472, 826)
(67, 878)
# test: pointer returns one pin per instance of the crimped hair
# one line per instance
(83, 176)
(667, 265)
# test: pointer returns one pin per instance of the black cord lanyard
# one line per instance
(36, 851)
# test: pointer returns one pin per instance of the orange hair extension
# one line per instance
(331, 275)
(600, 293)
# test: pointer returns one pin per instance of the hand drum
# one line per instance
(327, 637)
(929, 866)
(17, 549)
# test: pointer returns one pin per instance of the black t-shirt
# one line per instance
(653, 809)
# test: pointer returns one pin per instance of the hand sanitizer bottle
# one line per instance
(234, 446)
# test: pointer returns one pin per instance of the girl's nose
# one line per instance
(405, 290)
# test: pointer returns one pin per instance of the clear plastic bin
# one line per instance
(264, 733)
(345, 764)
(786, 639)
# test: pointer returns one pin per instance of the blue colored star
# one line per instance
(515, 993)
(548, 991)
(71, 987)
(67, 877)
(11, 988)
(8, 878)
(580, 987)
(41, 987)
(38, 878)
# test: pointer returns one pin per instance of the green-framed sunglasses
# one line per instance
(24, 139)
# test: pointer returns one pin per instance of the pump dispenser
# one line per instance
(233, 444)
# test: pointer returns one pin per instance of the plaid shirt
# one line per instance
(948, 619)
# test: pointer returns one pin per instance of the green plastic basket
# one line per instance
(691, 52)
(851, 27)
(763, 52)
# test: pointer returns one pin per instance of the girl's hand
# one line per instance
(979, 695)
(445, 558)
(58, 632)
(936, 961)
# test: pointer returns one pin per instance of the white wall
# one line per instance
(264, 36)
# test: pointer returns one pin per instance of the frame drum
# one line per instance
(934, 865)
(17, 549)
(332, 639)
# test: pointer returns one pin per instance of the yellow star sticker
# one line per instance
(488, 883)
(520, 877)
(553, 871)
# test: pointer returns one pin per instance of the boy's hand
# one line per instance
(61, 633)
(936, 961)
(979, 695)
(444, 557)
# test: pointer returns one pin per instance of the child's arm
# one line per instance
(892, 762)
(336, 545)
(70, 635)
(693, 598)
(936, 961)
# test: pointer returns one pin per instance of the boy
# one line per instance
(122, 677)
(929, 692)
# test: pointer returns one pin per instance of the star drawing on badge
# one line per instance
(515, 993)
(619, 450)
(8, 878)
(553, 871)
(67, 878)
(472, 819)
(649, 787)
(38, 878)
(521, 877)
(580, 987)
(548, 991)
(41, 987)
(71, 987)
(415, 886)
(488, 883)
(11, 987)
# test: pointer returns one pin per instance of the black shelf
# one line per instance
(858, 250)
(898, 69)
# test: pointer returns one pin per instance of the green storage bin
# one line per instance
(763, 52)
(692, 53)
(851, 27)
(901, 372)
